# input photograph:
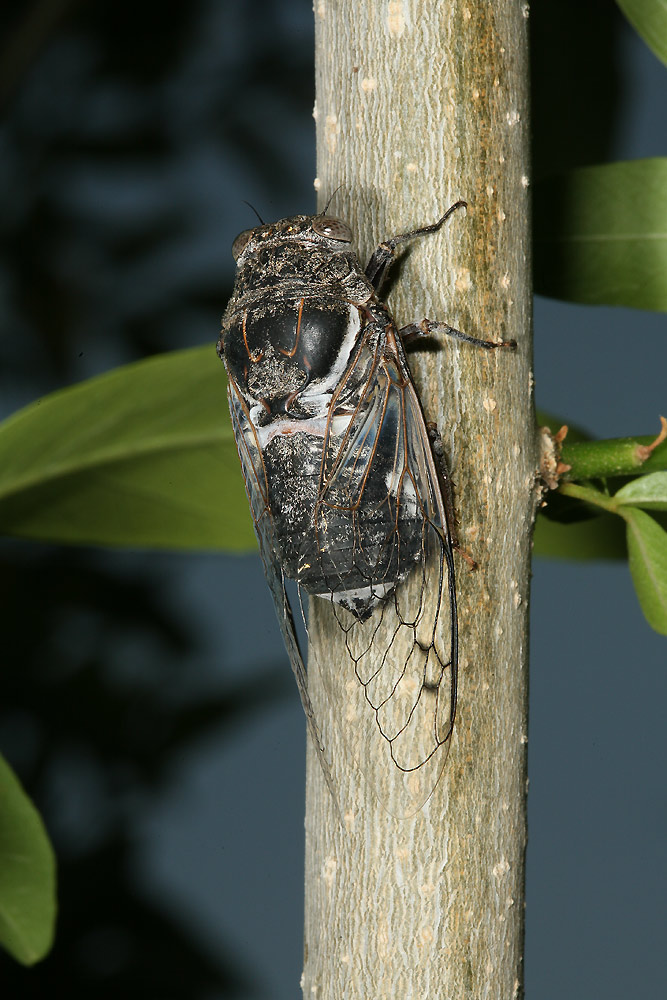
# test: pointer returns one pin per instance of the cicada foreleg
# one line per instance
(384, 254)
(427, 327)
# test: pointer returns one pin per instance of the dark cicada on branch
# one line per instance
(347, 496)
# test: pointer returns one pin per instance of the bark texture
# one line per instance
(417, 105)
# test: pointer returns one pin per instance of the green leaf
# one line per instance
(649, 17)
(600, 537)
(649, 492)
(601, 235)
(142, 456)
(647, 551)
(27, 874)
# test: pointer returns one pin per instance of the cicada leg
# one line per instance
(428, 326)
(384, 254)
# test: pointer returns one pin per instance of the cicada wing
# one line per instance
(381, 492)
(254, 475)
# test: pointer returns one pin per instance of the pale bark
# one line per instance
(420, 104)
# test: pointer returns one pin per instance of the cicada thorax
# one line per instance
(285, 355)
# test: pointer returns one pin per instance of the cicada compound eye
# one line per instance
(241, 242)
(333, 229)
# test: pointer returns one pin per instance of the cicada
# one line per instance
(347, 496)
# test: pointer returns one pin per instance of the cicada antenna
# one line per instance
(254, 210)
(326, 207)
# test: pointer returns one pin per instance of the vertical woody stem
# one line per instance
(417, 105)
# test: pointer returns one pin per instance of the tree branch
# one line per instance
(418, 105)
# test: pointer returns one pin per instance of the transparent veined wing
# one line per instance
(381, 525)
(257, 488)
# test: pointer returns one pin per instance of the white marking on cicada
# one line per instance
(339, 367)
(402, 489)
(316, 397)
(316, 427)
(350, 597)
